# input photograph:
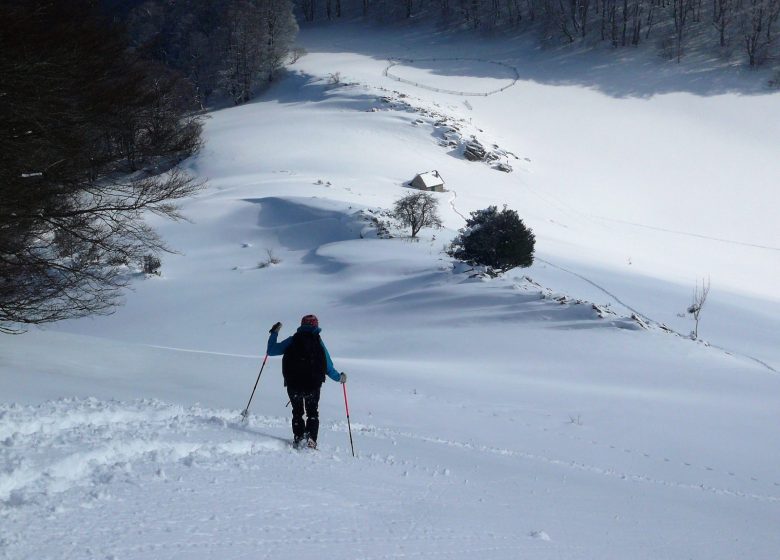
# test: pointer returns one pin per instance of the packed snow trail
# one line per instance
(690, 234)
(83, 478)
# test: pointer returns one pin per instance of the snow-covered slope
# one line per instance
(496, 418)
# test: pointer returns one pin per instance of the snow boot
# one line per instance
(311, 444)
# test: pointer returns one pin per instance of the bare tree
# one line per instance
(416, 211)
(79, 114)
(757, 24)
(234, 46)
(723, 12)
(622, 23)
(281, 29)
(244, 55)
(308, 9)
(681, 9)
(296, 54)
(699, 299)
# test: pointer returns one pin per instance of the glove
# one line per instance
(276, 328)
(343, 377)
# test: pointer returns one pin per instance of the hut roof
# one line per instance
(431, 179)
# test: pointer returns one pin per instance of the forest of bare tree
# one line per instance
(744, 29)
(229, 48)
(101, 101)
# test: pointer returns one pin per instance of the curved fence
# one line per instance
(392, 76)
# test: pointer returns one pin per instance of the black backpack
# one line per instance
(304, 365)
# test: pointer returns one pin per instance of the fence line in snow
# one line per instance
(387, 73)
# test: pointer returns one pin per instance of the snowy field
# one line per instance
(498, 419)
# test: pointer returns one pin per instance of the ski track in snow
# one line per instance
(160, 468)
(653, 321)
(689, 234)
(612, 473)
(454, 208)
(78, 456)
(56, 447)
(190, 350)
(52, 448)
(607, 448)
(598, 287)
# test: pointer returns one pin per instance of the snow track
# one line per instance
(690, 234)
(58, 446)
(193, 482)
(601, 471)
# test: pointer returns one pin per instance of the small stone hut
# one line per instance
(429, 181)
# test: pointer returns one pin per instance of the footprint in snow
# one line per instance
(540, 535)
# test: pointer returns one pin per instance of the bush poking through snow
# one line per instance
(699, 299)
(774, 81)
(296, 53)
(416, 211)
(497, 239)
(151, 264)
(272, 259)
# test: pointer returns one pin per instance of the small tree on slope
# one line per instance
(416, 211)
(699, 299)
(496, 239)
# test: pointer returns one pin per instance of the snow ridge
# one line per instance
(57, 446)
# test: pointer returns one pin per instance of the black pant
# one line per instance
(307, 401)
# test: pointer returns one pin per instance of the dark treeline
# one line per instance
(749, 27)
(86, 127)
(231, 47)
(99, 102)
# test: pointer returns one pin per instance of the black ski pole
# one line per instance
(245, 412)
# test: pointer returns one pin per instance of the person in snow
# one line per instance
(305, 364)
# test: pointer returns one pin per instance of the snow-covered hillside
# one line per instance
(492, 418)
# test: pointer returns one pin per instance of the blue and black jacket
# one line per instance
(276, 348)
